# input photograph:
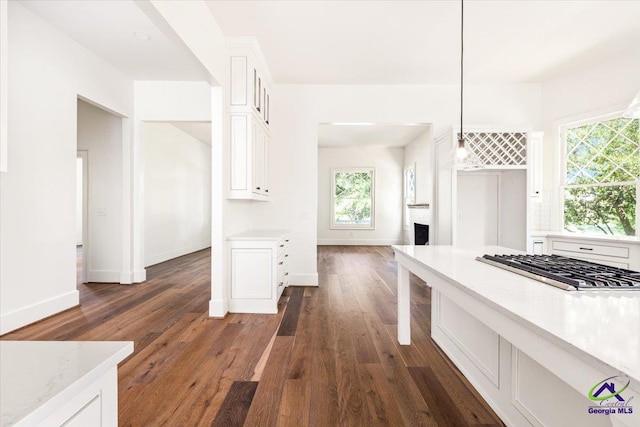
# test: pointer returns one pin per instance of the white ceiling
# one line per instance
(107, 28)
(368, 135)
(418, 42)
(199, 130)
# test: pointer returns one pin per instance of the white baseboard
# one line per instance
(104, 276)
(130, 277)
(303, 279)
(360, 242)
(218, 308)
(174, 253)
(32, 313)
(139, 276)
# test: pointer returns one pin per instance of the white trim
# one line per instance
(106, 276)
(218, 308)
(371, 226)
(301, 279)
(361, 242)
(84, 155)
(32, 313)
(175, 253)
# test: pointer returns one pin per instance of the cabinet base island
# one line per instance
(539, 355)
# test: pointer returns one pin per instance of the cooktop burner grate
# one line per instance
(567, 273)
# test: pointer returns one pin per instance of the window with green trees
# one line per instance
(352, 198)
(602, 170)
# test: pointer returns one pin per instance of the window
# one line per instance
(409, 192)
(352, 204)
(601, 176)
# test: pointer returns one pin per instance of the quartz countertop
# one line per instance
(597, 326)
(259, 235)
(37, 377)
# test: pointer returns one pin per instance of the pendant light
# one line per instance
(461, 157)
(633, 111)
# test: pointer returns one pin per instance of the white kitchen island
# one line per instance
(533, 351)
(60, 383)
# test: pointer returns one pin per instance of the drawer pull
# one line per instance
(266, 190)
(280, 284)
(281, 262)
(286, 274)
(286, 255)
(586, 249)
(287, 240)
(282, 246)
(257, 188)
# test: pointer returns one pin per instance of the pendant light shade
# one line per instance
(462, 157)
(633, 111)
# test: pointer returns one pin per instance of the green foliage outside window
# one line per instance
(603, 163)
(352, 198)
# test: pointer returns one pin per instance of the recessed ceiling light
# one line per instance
(142, 35)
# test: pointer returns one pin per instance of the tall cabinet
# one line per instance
(249, 116)
(489, 206)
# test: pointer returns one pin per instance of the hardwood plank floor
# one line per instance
(328, 358)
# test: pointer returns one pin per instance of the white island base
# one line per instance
(532, 351)
(60, 383)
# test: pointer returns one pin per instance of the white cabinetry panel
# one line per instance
(249, 131)
(259, 270)
(251, 276)
(535, 391)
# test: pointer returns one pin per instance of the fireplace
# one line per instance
(419, 220)
(421, 233)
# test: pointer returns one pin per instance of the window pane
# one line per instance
(607, 151)
(353, 211)
(606, 210)
(353, 185)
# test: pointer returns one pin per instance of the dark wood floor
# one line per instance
(328, 358)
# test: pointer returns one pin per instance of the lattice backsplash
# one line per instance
(498, 148)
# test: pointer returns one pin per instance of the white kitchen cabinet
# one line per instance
(622, 252)
(534, 164)
(500, 188)
(249, 111)
(259, 270)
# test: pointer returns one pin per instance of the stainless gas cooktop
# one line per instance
(567, 273)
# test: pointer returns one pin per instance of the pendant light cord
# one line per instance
(461, 140)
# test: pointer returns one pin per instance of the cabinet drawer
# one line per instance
(591, 249)
(613, 262)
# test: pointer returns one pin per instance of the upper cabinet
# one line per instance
(249, 115)
(534, 164)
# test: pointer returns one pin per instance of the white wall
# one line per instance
(47, 72)
(298, 109)
(418, 153)
(177, 208)
(100, 134)
(388, 164)
(604, 87)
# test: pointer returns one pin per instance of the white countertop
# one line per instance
(37, 377)
(597, 326)
(593, 237)
(259, 235)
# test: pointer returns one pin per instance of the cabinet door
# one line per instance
(265, 163)
(251, 273)
(256, 160)
(534, 163)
